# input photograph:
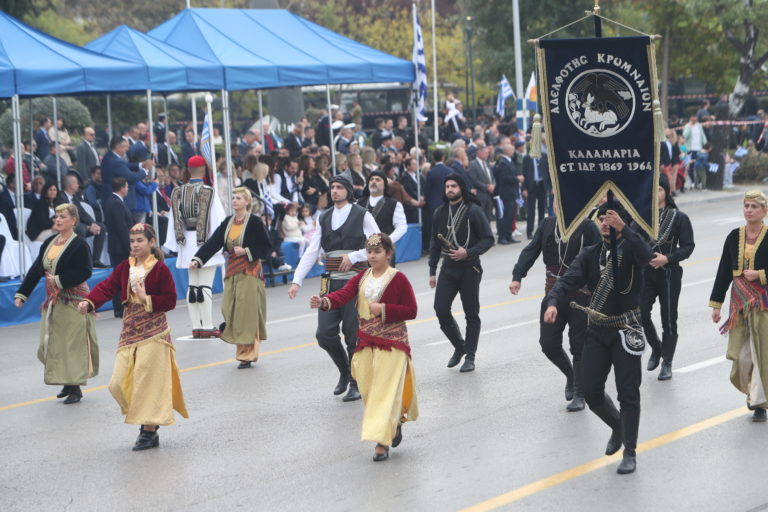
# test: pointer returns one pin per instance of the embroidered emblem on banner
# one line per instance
(601, 103)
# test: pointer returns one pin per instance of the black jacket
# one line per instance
(679, 244)
(586, 270)
(480, 237)
(119, 220)
(73, 267)
(529, 174)
(732, 264)
(666, 158)
(40, 219)
(505, 173)
(255, 241)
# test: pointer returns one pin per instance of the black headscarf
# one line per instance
(346, 183)
(664, 183)
(465, 193)
(367, 192)
(618, 208)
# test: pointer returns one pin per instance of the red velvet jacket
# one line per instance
(158, 283)
(398, 298)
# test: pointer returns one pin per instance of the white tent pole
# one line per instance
(16, 113)
(153, 171)
(56, 142)
(212, 163)
(167, 130)
(434, 70)
(330, 127)
(261, 113)
(109, 118)
(227, 145)
(194, 118)
(31, 138)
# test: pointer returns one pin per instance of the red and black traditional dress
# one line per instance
(382, 363)
(145, 381)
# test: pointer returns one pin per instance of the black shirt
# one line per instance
(472, 232)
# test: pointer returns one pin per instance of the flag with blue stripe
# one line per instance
(505, 91)
(205, 142)
(420, 65)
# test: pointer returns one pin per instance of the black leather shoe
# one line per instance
(455, 358)
(64, 392)
(353, 393)
(73, 399)
(468, 366)
(577, 404)
(569, 391)
(146, 440)
(398, 437)
(341, 387)
(504, 241)
(666, 371)
(243, 365)
(378, 457)
(513, 241)
(614, 443)
(627, 465)
(653, 361)
(759, 415)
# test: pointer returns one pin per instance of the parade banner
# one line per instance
(597, 102)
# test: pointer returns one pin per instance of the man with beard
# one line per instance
(341, 232)
(558, 254)
(387, 212)
(663, 277)
(460, 233)
(615, 333)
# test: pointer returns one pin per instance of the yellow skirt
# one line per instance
(146, 384)
(387, 382)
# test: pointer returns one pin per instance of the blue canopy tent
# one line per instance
(297, 51)
(169, 69)
(36, 64)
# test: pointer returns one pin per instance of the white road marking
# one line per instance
(489, 331)
(709, 280)
(703, 364)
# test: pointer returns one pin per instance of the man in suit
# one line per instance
(670, 158)
(114, 165)
(189, 147)
(87, 157)
(36, 189)
(294, 142)
(536, 190)
(87, 226)
(434, 189)
(409, 181)
(458, 166)
(92, 193)
(119, 220)
(508, 179)
(42, 139)
(8, 204)
(50, 163)
(482, 176)
(165, 150)
(139, 152)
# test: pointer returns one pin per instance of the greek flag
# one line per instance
(420, 64)
(505, 91)
(205, 143)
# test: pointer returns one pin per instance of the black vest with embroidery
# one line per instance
(349, 237)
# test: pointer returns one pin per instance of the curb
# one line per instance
(736, 193)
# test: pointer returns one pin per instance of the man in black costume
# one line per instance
(460, 233)
(558, 254)
(615, 335)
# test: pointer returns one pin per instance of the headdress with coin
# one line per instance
(373, 242)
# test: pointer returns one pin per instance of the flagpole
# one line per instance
(414, 108)
(212, 163)
(56, 142)
(518, 58)
(227, 145)
(153, 171)
(434, 71)
(194, 118)
(330, 127)
(17, 164)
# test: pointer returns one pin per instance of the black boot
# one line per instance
(64, 392)
(654, 360)
(607, 412)
(147, 439)
(353, 393)
(559, 358)
(455, 358)
(342, 385)
(469, 364)
(628, 463)
(759, 415)
(666, 371)
(577, 404)
(75, 394)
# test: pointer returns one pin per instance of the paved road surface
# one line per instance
(274, 437)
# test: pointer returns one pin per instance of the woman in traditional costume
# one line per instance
(145, 381)
(743, 267)
(244, 305)
(68, 346)
(381, 364)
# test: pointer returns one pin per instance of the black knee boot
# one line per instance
(607, 412)
(577, 404)
(559, 358)
(451, 330)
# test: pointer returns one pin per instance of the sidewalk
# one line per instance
(709, 196)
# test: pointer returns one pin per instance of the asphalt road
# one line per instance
(275, 438)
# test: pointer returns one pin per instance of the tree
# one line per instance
(73, 111)
(20, 9)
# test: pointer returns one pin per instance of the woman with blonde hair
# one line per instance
(743, 267)
(68, 346)
(244, 305)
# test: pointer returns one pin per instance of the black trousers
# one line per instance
(117, 303)
(98, 240)
(462, 279)
(602, 350)
(551, 335)
(331, 323)
(663, 283)
(504, 228)
(536, 201)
